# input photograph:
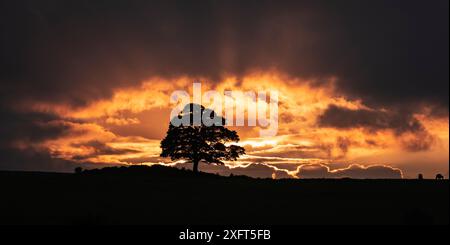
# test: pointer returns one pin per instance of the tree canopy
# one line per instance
(196, 141)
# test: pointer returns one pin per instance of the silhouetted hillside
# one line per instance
(165, 195)
(154, 171)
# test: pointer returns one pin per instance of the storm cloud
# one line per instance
(344, 118)
(97, 148)
(30, 127)
(400, 122)
(312, 171)
(384, 52)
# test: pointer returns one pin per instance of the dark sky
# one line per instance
(386, 53)
(382, 51)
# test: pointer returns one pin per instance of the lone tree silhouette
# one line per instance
(194, 141)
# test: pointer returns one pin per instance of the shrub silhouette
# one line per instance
(78, 170)
(439, 176)
(195, 141)
(420, 176)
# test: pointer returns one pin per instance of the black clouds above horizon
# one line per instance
(399, 122)
(388, 53)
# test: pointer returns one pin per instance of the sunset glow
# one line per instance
(127, 127)
(90, 85)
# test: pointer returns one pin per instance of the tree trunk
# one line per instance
(195, 168)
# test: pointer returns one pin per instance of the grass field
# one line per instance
(164, 195)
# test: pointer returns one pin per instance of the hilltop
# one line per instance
(166, 195)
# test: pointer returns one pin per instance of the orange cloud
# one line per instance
(130, 124)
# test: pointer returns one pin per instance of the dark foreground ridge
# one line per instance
(166, 195)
